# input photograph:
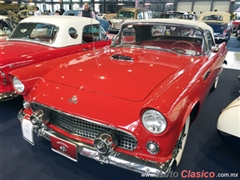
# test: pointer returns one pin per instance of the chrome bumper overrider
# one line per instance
(8, 96)
(114, 158)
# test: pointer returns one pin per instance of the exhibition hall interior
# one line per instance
(119, 90)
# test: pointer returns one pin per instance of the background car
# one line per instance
(129, 104)
(220, 22)
(228, 124)
(177, 15)
(104, 23)
(107, 16)
(39, 39)
(235, 26)
(128, 14)
(238, 35)
(6, 27)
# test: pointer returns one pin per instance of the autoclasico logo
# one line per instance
(193, 174)
(198, 174)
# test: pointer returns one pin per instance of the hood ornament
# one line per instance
(73, 100)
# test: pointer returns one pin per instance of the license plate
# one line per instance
(65, 148)
(27, 130)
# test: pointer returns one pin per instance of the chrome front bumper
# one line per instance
(221, 38)
(8, 96)
(125, 161)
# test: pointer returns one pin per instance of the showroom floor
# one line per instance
(233, 59)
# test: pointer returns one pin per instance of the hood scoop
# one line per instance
(120, 57)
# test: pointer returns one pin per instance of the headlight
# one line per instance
(18, 85)
(154, 121)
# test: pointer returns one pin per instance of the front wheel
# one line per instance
(180, 145)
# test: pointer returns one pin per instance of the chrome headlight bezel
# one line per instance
(154, 121)
(18, 85)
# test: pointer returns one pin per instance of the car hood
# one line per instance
(118, 72)
(13, 51)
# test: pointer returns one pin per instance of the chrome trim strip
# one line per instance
(88, 120)
(8, 96)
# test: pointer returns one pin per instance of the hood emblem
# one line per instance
(73, 100)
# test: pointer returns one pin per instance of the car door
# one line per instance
(212, 65)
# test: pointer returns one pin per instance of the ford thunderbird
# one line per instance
(129, 104)
(39, 39)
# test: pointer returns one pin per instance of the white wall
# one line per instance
(184, 6)
(221, 6)
(201, 7)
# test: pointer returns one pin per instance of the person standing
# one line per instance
(87, 12)
(37, 12)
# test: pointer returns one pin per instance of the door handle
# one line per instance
(206, 75)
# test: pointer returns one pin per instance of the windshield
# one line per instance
(187, 40)
(125, 15)
(173, 15)
(213, 17)
(38, 32)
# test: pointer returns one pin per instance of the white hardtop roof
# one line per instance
(3, 17)
(215, 13)
(199, 24)
(64, 23)
(60, 20)
(225, 15)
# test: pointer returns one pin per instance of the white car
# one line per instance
(228, 124)
(128, 14)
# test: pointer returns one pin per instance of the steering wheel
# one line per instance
(180, 49)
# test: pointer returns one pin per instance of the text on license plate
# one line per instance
(64, 148)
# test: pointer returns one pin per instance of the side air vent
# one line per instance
(120, 57)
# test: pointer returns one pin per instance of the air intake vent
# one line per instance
(120, 57)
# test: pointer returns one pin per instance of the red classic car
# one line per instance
(129, 104)
(38, 39)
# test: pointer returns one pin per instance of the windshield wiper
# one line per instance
(159, 48)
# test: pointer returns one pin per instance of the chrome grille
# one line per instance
(84, 128)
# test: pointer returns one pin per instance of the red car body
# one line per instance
(235, 24)
(130, 104)
(20, 50)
